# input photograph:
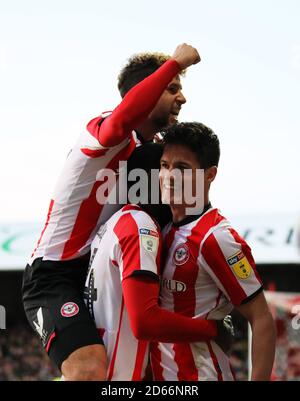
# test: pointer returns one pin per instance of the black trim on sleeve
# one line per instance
(245, 301)
(99, 123)
(147, 273)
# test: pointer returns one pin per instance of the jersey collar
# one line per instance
(193, 217)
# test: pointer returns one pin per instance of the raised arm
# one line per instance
(141, 99)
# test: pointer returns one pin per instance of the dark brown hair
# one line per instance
(138, 67)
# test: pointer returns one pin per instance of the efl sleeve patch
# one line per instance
(149, 240)
(240, 265)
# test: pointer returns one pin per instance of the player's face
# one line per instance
(168, 107)
(182, 159)
(184, 185)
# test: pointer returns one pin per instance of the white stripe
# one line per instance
(203, 263)
(222, 224)
(168, 364)
(223, 361)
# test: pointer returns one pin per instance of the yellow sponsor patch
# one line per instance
(240, 265)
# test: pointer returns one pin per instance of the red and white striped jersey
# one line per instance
(208, 269)
(130, 241)
(74, 213)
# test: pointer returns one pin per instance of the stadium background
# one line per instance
(58, 66)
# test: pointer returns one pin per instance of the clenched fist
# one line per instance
(186, 55)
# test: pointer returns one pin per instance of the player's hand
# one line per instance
(186, 55)
(226, 333)
(158, 138)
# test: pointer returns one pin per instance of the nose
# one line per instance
(181, 99)
(165, 175)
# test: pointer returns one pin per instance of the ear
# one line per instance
(210, 173)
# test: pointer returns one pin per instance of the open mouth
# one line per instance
(166, 186)
(171, 187)
(174, 116)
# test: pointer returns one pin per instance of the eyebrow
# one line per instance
(178, 162)
(179, 86)
(184, 164)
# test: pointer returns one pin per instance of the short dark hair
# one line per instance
(198, 138)
(146, 157)
(138, 67)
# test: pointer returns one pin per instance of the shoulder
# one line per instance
(132, 220)
(202, 228)
(94, 124)
(223, 237)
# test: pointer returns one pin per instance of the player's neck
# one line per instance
(180, 212)
(160, 213)
(147, 130)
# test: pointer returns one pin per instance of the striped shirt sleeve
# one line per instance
(139, 244)
(135, 106)
(227, 258)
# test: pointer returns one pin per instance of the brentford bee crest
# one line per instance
(181, 254)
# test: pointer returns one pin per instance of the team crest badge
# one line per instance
(240, 265)
(69, 309)
(181, 254)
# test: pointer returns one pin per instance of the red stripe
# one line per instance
(156, 362)
(184, 359)
(246, 251)
(158, 259)
(199, 231)
(126, 230)
(46, 225)
(93, 126)
(94, 153)
(210, 219)
(215, 362)
(185, 302)
(90, 210)
(101, 332)
(139, 360)
(214, 257)
(115, 263)
(53, 335)
(169, 238)
(114, 355)
(130, 207)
